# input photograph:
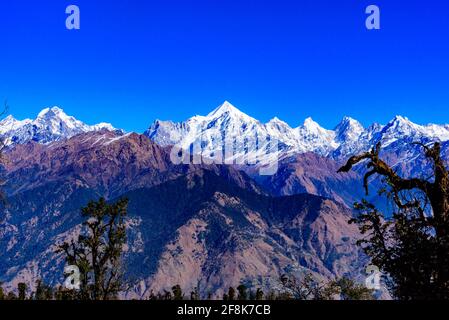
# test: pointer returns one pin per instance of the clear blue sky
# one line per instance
(137, 60)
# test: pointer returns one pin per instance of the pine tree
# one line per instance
(166, 296)
(349, 290)
(98, 251)
(177, 293)
(22, 287)
(2, 293)
(195, 295)
(243, 292)
(231, 294)
(259, 294)
(43, 292)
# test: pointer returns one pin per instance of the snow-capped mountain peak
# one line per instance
(57, 120)
(226, 107)
(399, 118)
(349, 129)
(214, 133)
(276, 120)
(278, 124)
(348, 121)
(314, 138)
(49, 112)
(51, 124)
(311, 125)
(400, 121)
(348, 138)
(228, 113)
(400, 127)
(10, 123)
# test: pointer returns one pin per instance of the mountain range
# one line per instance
(227, 123)
(212, 225)
(348, 137)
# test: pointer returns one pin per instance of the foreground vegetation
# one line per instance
(98, 251)
(412, 247)
(291, 289)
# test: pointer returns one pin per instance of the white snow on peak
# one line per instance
(224, 126)
(310, 123)
(400, 127)
(313, 126)
(51, 111)
(225, 108)
(227, 124)
(103, 126)
(349, 129)
(10, 124)
(314, 138)
(348, 138)
(51, 124)
(276, 120)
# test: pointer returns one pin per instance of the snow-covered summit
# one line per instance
(348, 137)
(51, 124)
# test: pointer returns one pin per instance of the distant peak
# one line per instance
(401, 118)
(349, 129)
(348, 122)
(47, 111)
(105, 126)
(277, 121)
(309, 122)
(349, 119)
(10, 118)
(226, 107)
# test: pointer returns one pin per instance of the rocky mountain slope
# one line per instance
(312, 174)
(213, 234)
(200, 228)
(109, 162)
(46, 185)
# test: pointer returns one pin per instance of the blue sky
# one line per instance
(134, 61)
